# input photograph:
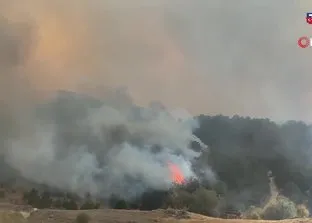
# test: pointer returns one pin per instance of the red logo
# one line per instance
(304, 42)
(309, 20)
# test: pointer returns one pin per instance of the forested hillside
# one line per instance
(118, 153)
(244, 150)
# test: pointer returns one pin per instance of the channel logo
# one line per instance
(304, 42)
(309, 18)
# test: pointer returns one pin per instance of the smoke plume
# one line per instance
(241, 58)
(75, 142)
(205, 56)
(102, 147)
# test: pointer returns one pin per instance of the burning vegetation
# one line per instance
(232, 180)
(80, 145)
(176, 174)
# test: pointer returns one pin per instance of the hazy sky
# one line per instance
(208, 56)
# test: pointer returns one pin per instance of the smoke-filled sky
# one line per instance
(205, 56)
(208, 56)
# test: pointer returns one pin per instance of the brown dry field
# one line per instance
(118, 216)
(11, 207)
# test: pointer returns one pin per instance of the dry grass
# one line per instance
(11, 217)
(125, 216)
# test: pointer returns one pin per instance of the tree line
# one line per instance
(243, 151)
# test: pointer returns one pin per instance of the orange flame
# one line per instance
(176, 174)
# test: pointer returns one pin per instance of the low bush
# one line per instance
(253, 213)
(204, 201)
(2, 194)
(302, 211)
(87, 205)
(70, 205)
(82, 218)
(176, 213)
(179, 199)
(121, 204)
(281, 208)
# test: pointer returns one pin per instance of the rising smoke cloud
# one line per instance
(227, 53)
(206, 56)
(70, 144)
(63, 139)
(113, 147)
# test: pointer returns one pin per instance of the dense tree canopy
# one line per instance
(243, 150)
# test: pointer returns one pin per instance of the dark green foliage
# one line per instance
(32, 198)
(179, 199)
(82, 218)
(45, 200)
(97, 205)
(121, 204)
(190, 185)
(243, 150)
(201, 201)
(89, 204)
(70, 204)
(2, 194)
(57, 203)
(152, 199)
(134, 205)
(204, 201)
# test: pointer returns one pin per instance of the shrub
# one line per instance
(302, 211)
(179, 199)
(253, 213)
(2, 194)
(204, 201)
(153, 199)
(32, 198)
(87, 205)
(70, 205)
(191, 185)
(82, 218)
(281, 208)
(45, 200)
(57, 203)
(97, 205)
(134, 206)
(121, 204)
(220, 187)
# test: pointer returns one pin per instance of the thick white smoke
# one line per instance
(73, 142)
(102, 147)
(209, 56)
